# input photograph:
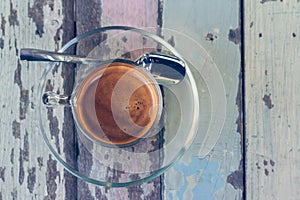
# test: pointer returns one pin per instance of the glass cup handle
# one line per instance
(52, 99)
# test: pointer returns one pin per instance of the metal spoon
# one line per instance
(166, 69)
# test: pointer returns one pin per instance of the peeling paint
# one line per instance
(236, 178)
(16, 129)
(210, 37)
(13, 16)
(40, 162)
(36, 13)
(3, 22)
(257, 165)
(51, 176)
(251, 24)
(14, 194)
(25, 150)
(1, 43)
(53, 126)
(171, 41)
(272, 163)
(99, 195)
(239, 103)
(12, 155)
(160, 15)
(17, 76)
(266, 172)
(53, 121)
(21, 167)
(268, 101)
(2, 173)
(113, 174)
(31, 179)
(57, 38)
(83, 190)
(24, 103)
(234, 36)
(209, 180)
(16, 47)
(24, 94)
(85, 163)
(265, 1)
(135, 192)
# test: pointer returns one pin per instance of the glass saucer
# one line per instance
(181, 116)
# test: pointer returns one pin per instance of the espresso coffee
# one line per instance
(117, 104)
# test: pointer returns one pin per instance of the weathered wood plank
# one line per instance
(272, 99)
(96, 14)
(214, 25)
(28, 171)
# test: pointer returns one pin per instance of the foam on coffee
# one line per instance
(117, 104)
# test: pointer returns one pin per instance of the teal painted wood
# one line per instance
(215, 171)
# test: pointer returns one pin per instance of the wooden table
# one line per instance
(254, 44)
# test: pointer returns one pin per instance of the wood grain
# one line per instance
(28, 171)
(272, 99)
(107, 13)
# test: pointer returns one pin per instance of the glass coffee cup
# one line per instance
(138, 127)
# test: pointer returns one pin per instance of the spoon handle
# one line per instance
(49, 56)
(164, 68)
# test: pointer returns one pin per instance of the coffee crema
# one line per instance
(117, 103)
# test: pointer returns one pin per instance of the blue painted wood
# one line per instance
(214, 25)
